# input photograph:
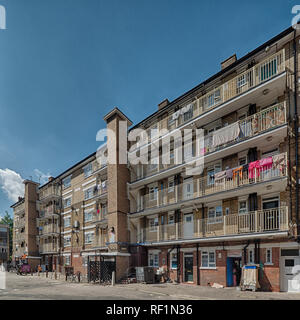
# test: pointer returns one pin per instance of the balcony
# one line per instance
(261, 173)
(19, 237)
(230, 96)
(48, 212)
(48, 248)
(49, 230)
(251, 223)
(20, 209)
(52, 192)
(270, 123)
(99, 241)
(20, 223)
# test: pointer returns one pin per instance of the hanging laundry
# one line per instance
(254, 167)
(220, 176)
(266, 163)
(279, 161)
(226, 134)
(237, 172)
(229, 173)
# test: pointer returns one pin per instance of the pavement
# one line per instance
(38, 288)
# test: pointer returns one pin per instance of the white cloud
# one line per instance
(11, 183)
(41, 177)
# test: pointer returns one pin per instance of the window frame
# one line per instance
(208, 253)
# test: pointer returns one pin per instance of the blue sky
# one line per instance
(65, 63)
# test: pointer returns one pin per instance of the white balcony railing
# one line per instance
(259, 221)
(260, 73)
(265, 169)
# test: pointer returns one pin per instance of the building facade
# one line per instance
(198, 221)
(4, 243)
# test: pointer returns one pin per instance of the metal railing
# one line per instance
(49, 229)
(48, 247)
(49, 192)
(194, 188)
(260, 73)
(267, 119)
(259, 221)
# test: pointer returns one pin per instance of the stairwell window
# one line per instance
(88, 215)
(67, 182)
(67, 202)
(67, 241)
(251, 256)
(67, 260)
(89, 237)
(89, 193)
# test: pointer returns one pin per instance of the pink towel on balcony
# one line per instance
(251, 169)
(266, 163)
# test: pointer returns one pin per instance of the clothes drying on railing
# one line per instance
(220, 176)
(279, 161)
(226, 134)
(237, 172)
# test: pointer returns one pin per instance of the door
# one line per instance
(290, 274)
(188, 189)
(188, 226)
(188, 268)
(271, 214)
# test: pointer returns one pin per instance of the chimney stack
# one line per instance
(163, 104)
(50, 179)
(229, 61)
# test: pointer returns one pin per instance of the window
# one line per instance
(89, 193)
(211, 171)
(153, 224)
(251, 256)
(153, 164)
(89, 237)
(153, 193)
(208, 259)
(67, 222)
(67, 260)
(153, 259)
(173, 260)
(67, 202)
(171, 185)
(215, 214)
(171, 218)
(188, 115)
(242, 160)
(88, 170)
(269, 256)
(104, 209)
(67, 241)
(66, 182)
(88, 215)
(243, 207)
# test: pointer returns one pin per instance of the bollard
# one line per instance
(113, 278)
(47, 274)
(55, 275)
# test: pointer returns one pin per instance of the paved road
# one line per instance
(28, 288)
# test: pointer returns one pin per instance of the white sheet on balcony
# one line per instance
(226, 134)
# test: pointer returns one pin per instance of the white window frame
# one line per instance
(210, 264)
(153, 192)
(216, 218)
(88, 170)
(89, 237)
(67, 241)
(67, 260)
(271, 257)
(153, 224)
(171, 221)
(68, 179)
(67, 219)
(173, 256)
(153, 259)
(66, 202)
(89, 213)
(171, 185)
(218, 166)
(251, 256)
(246, 209)
(89, 193)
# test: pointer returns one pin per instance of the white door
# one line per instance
(290, 274)
(188, 226)
(188, 189)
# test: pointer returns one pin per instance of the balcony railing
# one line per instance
(19, 209)
(267, 119)
(48, 212)
(49, 229)
(52, 191)
(260, 73)
(99, 241)
(20, 223)
(260, 221)
(48, 247)
(266, 169)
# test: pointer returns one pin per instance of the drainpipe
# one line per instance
(296, 131)
(178, 264)
(198, 273)
(245, 253)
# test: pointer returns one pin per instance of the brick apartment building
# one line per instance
(243, 207)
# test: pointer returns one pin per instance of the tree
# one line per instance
(7, 219)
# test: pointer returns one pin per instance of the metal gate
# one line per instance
(100, 269)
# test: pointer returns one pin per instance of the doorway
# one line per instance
(233, 271)
(289, 270)
(188, 226)
(271, 214)
(188, 267)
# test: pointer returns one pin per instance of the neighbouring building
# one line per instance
(4, 243)
(242, 208)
